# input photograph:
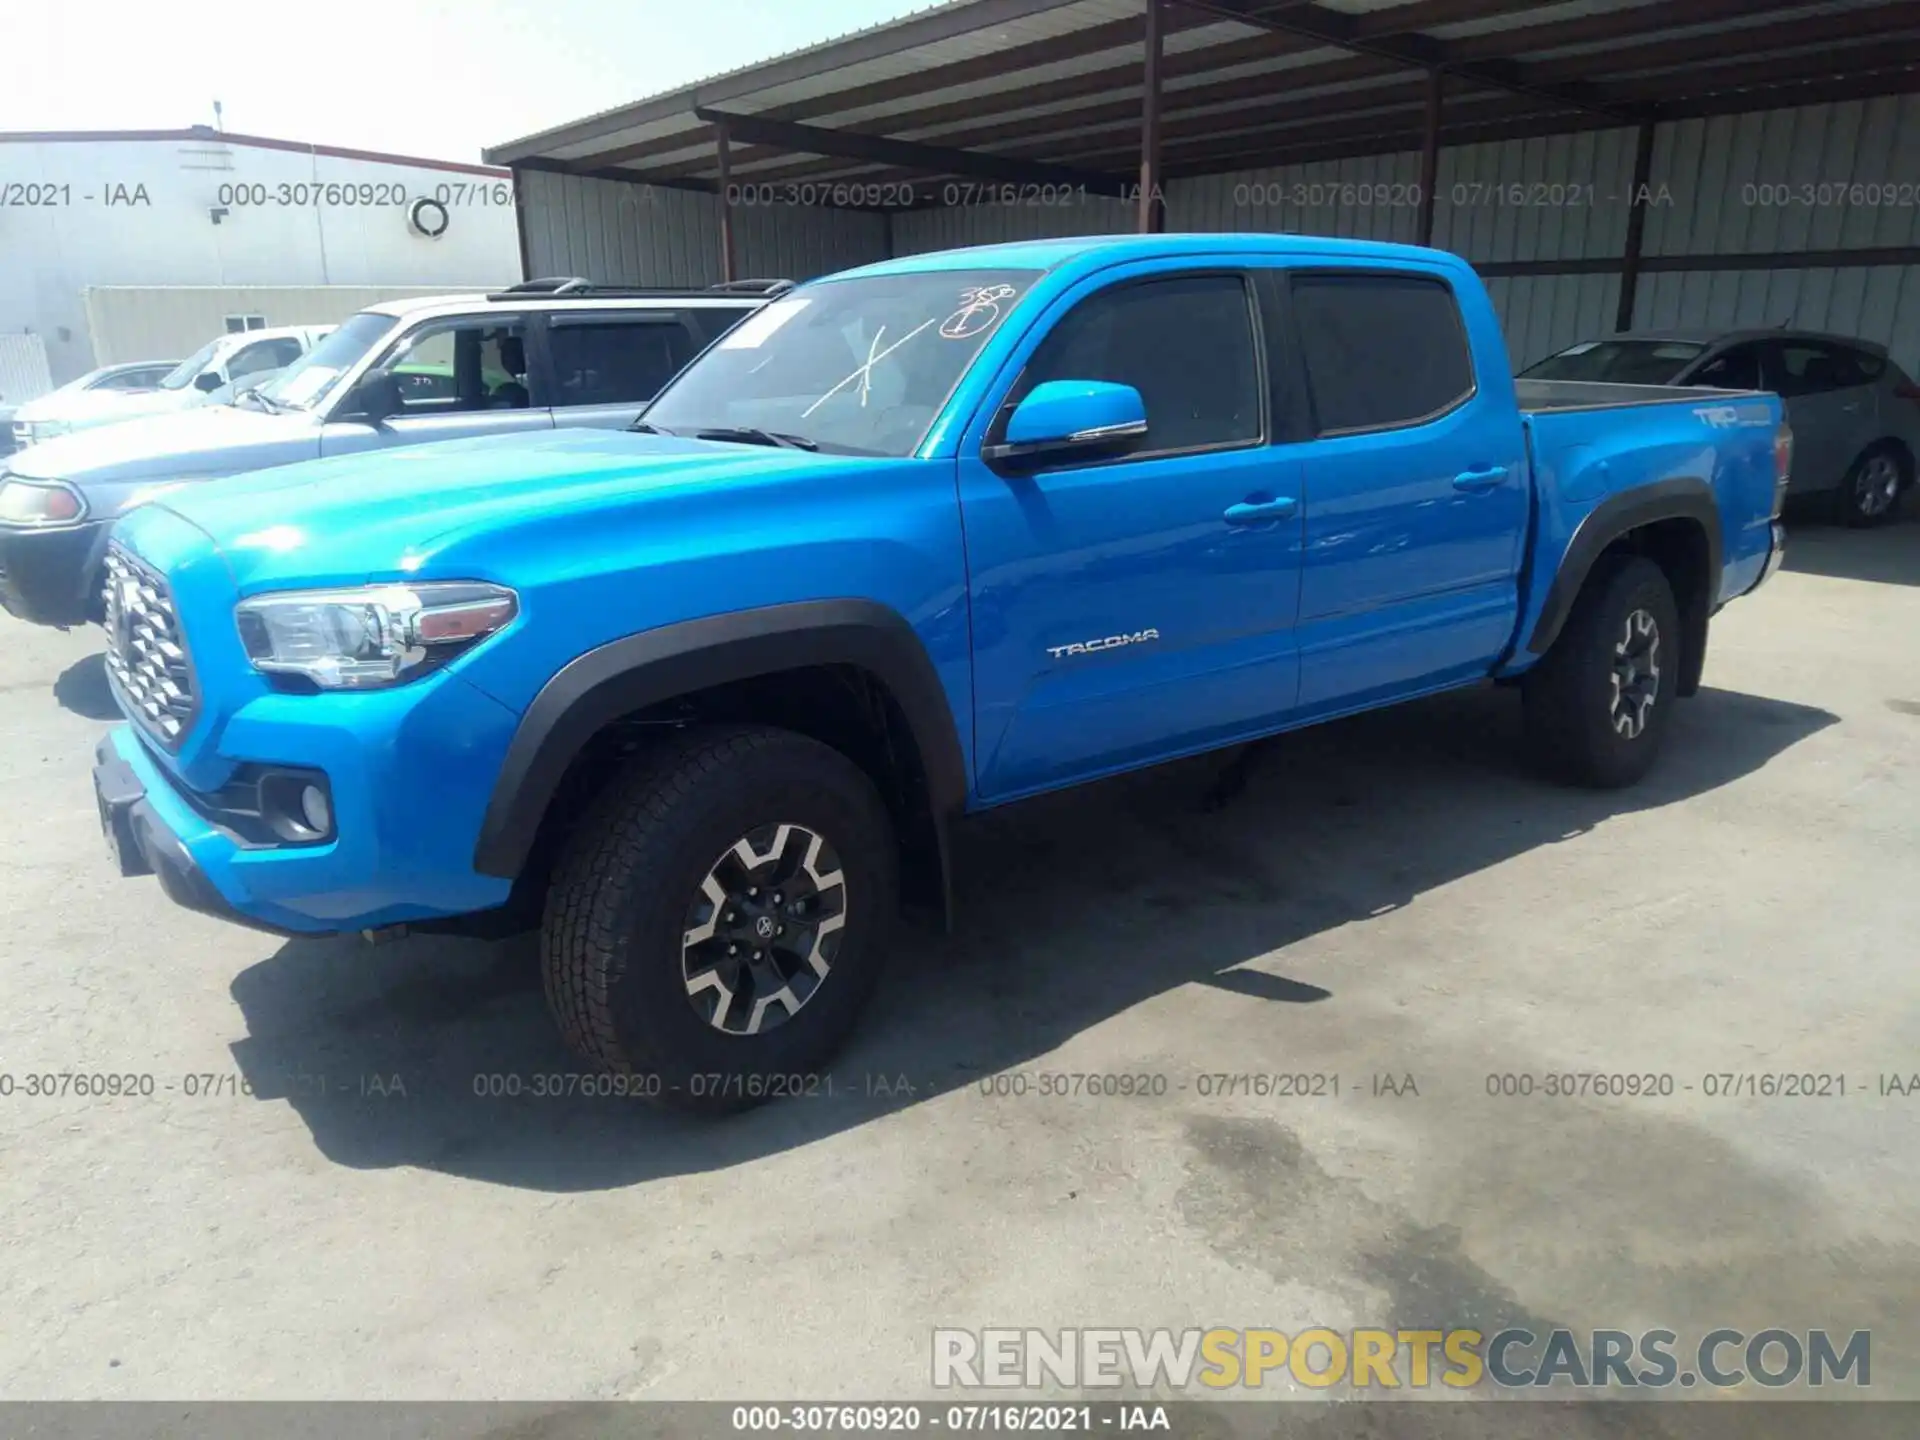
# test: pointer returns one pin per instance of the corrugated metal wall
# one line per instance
(626, 234)
(1376, 197)
(1814, 178)
(1824, 177)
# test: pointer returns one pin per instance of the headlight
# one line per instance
(38, 502)
(371, 636)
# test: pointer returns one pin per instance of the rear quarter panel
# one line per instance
(1582, 458)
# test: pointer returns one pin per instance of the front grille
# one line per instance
(146, 653)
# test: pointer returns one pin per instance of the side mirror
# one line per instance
(208, 381)
(376, 397)
(1080, 419)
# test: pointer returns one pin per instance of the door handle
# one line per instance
(1482, 477)
(1252, 512)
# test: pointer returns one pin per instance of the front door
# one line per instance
(1830, 408)
(1131, 609)
(457, 378)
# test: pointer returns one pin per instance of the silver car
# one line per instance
(1855, 415)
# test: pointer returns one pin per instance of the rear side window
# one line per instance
(1809, 367)
(1381, 350)
(603, 360)
(1735, 368)
(1185, 343)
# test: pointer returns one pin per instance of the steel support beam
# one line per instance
(1430, 154)
(520, 223)
(1636, 226)
(721, 143)
(907, 154)
(1151, 217)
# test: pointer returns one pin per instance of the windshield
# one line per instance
(305, 382)
(859, 366)
(182, 374)
(1624, 362)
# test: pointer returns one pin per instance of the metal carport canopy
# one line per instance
(1117, 95)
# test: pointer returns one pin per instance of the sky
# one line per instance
(435, 78)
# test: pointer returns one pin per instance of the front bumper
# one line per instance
(47, 576)
(410, 775)
(140, 842)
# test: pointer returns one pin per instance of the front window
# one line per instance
(459, 367)
(308, 380)
(181, 376)
(267, 355)
(1623, 362)
(857, 367)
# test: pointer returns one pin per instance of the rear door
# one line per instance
(458, 377)
(1830, 407)
(603, 366)
(1416, 485)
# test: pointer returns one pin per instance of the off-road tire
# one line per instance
(1572, 714)
(616, 912)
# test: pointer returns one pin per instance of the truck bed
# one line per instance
(1539, 396)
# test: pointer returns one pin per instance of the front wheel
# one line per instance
(1597, 704)
(718, 920)
(1871, 491)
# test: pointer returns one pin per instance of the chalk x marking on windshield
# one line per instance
(864, 371)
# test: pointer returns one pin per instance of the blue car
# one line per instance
(702, 700)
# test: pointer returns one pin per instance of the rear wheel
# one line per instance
(717, 922)
(1597, 704)
(1871, 491)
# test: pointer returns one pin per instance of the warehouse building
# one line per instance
(143, 245)
(1605, 163)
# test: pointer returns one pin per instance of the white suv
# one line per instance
(543, 355)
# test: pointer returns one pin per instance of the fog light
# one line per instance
(313, 805)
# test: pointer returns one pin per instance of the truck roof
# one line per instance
(1114, 249)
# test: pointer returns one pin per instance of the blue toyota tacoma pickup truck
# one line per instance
(702, 701)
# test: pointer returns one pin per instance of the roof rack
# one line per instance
(752, 287)
(578, 286)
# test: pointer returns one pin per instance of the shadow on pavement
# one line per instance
(1889, 555)
(1072, 909)
(82, 688)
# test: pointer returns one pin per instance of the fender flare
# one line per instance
(653, 666)
(1679, 499)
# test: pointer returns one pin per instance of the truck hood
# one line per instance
(206, 440)
(390, 512)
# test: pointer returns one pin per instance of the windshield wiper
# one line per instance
(753, 435)
(255, 394)
(646, 429)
